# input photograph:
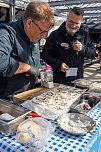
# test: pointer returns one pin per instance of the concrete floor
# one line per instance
(91, 73)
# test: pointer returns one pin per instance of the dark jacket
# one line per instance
(58, 49)
(15, 46)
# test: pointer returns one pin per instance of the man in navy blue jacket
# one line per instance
(19, 48)
(66, 48)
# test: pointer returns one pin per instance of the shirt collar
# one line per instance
(19, 28)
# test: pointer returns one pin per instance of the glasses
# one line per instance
(41, 32)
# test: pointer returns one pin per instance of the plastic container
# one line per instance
(48, 74)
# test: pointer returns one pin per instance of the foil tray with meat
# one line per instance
(54, 102)
(86, 103)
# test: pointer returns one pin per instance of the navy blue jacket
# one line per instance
(58, 49)
(15, 46)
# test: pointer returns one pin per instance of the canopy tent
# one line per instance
(95, 31)
(94, 27)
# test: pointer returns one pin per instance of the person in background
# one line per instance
(19, 48)
(66, 48)
(98, 47)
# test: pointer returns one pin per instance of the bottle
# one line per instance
(48, 74)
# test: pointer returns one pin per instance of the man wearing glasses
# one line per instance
(19, 48)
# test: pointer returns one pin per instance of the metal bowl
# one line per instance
(76, 123)
(82, 83)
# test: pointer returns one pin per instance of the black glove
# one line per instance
(33, 71)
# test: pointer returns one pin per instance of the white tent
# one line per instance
(58, 22)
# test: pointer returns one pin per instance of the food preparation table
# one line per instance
(61, 141)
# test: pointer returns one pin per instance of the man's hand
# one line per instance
(26, 68)
(64, 67)
(23, 67)
(33, 71)
(77, 46)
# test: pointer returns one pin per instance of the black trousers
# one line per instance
(14, 85)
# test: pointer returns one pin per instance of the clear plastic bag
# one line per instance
(46, 112)
(34, 132)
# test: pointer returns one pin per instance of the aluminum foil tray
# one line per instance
(10, 117)
(55, 101)
(96, 87)
(87, 103)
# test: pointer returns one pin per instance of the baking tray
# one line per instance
(54, 102)
(9, 127)
(76, 123)
(86, 103)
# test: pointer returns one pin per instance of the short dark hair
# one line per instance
(77, 11)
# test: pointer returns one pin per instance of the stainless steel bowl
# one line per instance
(76, 123)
